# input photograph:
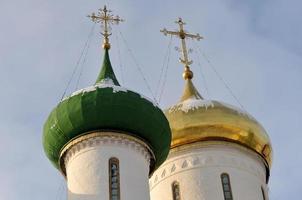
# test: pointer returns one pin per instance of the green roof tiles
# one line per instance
(107, 71)
(106, 106)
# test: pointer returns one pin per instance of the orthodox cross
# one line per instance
(182, 34)
(106, 19)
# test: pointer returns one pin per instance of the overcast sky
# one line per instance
(255, 46)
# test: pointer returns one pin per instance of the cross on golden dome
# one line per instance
(106, 19)
(182, 34)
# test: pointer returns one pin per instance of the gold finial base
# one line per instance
(188, 74)
(106, 44)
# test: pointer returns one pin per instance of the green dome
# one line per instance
(106, 106)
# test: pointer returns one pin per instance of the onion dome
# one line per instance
(106, 106)
(195, 119)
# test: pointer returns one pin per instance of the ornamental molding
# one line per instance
(99, 139)
(179, 163)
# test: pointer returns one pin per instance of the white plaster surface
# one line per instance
(87, 169)
(198, 172)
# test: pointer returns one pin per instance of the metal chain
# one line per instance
(138, 66)
(221, 79)
(85, 57)
(77, 63)
(166, 71)
(202, 74)
(163, 68)
(119, 58)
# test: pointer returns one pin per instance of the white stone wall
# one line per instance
(198, 170)
(87, 168)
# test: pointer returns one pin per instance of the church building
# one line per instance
(112, 143)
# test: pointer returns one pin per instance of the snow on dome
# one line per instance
(105, 83)
(155, 104)
(108, 83)
(191, 104)
(239, 111)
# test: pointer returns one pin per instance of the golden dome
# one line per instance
(194, 119)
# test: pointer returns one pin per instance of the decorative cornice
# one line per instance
(95, 139)
(213, 144)
(180, 161)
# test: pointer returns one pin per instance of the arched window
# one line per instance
(263, 193)
(114, 179)
(175, 190)
(226, 186)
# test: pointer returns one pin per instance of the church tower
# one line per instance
(218, 151)
(105, 139)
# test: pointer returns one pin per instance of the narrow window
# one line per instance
(226, 186)
(175, 190)
(263, 193)
(114, 179)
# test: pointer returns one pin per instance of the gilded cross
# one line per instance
(106, 19)
(182, 34)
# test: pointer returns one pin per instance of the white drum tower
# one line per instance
(105, 139)
(218, 152)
